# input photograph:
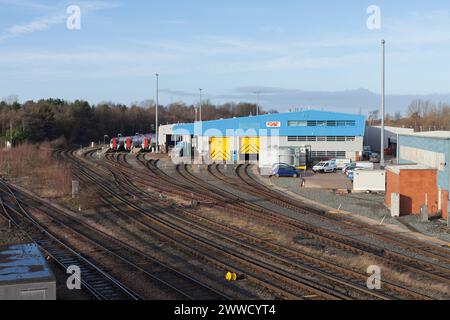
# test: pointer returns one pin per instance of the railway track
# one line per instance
(184, 286)
(424, 268)
(94, 280)
(274, 248)
(248, 183)
(299, 287)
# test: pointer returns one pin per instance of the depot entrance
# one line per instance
(249, 149)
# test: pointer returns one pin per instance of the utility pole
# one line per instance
(156, 120)
(200, 113)
(383, 99)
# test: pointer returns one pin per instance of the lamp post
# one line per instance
(383, 98)
(156, 112)
(200, 113)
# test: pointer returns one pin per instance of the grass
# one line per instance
(34, 166)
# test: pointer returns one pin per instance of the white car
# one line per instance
(325, 166)
(342, 163)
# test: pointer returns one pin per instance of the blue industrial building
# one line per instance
(306, 123)
(266, 138)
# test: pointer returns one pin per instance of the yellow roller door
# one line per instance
(250, 145)
(220, 149)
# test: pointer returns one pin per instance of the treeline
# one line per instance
(79, 122)
(420, 115)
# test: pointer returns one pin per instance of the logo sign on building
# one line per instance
(273, 124)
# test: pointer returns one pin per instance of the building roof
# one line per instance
(276, 124)
(398, 130)
(432, 134)
(418, 167)
(23, 263)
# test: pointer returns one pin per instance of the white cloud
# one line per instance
(58, 16)
(26, 3)
(36, 25)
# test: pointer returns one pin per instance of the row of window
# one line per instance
(328, 154)
(322, 123)
(315, 139)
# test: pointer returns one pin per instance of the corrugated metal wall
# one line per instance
(428, 151)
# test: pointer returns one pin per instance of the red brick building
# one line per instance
(417, 185)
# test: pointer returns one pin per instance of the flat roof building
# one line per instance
(326, 135)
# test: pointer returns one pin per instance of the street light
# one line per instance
(383, 98)
(156, 120)
(200, 89)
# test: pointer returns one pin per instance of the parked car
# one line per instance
(357, 166)
(325, 166)
(341, 163)
(284, 170)
(374, 157)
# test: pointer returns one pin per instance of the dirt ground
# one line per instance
(336, 180)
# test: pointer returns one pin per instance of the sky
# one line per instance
(296, 53)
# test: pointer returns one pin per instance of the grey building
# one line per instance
(372, 137)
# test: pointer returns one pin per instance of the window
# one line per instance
(320, 155)
(320, 139)
(299, 123)
(297, 138)
(322, 123)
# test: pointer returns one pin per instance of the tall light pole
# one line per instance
(257, 102)
(383, 98)
(156, 112)
(200, 89)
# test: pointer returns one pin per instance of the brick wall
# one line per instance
(414, 187)
(392, 186)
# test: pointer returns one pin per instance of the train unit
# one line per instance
(117, 144)
(143, 141)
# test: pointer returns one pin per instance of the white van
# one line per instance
(325, 166)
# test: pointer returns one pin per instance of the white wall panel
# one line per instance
(433, 159)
